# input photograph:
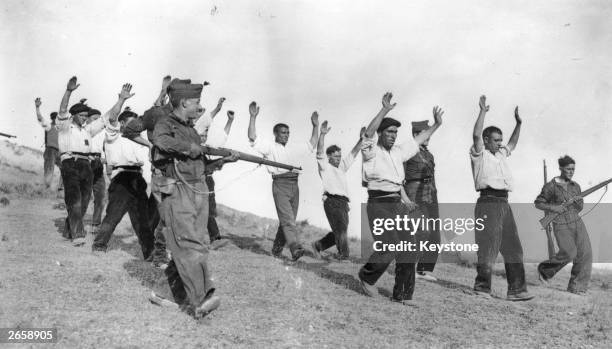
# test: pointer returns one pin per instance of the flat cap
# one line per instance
(78, 108)
(388, 122)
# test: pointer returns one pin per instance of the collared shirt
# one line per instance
(491, 170)
(121, 151)
(73, 138)
(383, 169)
(51, 134)
(553, 193)
(419, 167)
(97, 143)
(334, 178)
(286, 154)
(172, 139)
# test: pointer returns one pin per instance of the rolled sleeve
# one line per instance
(546, 195)
(261, 146)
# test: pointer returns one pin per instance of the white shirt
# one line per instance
(491, 170)
(286, 154)
(97, 143)
(72, 138)
(383, 169)
(121, 151)
(334, 178)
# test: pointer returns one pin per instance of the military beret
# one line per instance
(78, 108)
(177, 81)
(93, 112)
(388, 122)
(418, 126)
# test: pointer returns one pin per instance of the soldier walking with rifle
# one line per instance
(561, 198)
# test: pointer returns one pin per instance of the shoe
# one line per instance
(523, 296)
(218, 243)
(483, 294)
(78, 242)
(425, 276)
(578, 293)
(161, 301)
(543, 280)
(208, 306)
(315, 250)
(369, 290)
(297, 254)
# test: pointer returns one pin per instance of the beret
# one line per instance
(180, 91)
(78, 108)
(388, 122)
(93, 112)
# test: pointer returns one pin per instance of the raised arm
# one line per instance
(478, 126)
(124, 95)
(321, 142)
(230, 121)
(253, 111)
(426, 134)
(43, 122)
(71, 86)
(314, 119)
(517, 131)
(161, 99)
(217, 109)
(386, 108)
(357, 146)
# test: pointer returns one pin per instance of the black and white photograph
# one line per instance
(305, 174)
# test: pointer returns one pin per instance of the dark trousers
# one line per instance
(380, 260)
(286, 195)
(574, 246)
(185, 213)
(428, 259)
(213, 228)
(99, 190)
(127, 193)
(77, 178)
(157, 226)
(51, 158)
(499, 235)
(336, 210)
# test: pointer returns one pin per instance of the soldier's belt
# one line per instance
(420, 180)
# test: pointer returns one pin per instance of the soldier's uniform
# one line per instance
(571, 235)
(420, 186)
(184, 199)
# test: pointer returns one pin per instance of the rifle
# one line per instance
(248, 157)
(549, 236)
(552, 215)
(7, 135)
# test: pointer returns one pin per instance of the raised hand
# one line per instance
(324, 128)
(253, 109)
(72, 84)
(386, 101)
(37, 102)
(517, 117)
(220, 102)
(230, 115)
(483, 103)
(437, 114)
(126, 92)
(166, 82)
(314, 118)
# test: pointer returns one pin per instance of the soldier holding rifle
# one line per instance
(562, 196)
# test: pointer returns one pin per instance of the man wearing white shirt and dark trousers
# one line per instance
(383, 174)
(493, 179)
(127, 192)
(75, 148)
(285, 188)
(332, 169)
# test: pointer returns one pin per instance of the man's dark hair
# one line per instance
(332, 149)
(126, 115)
(566, 160)
(175, 102)
(487, 132)
(278, 126)
(53, 115)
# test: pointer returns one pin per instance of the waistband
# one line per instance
(95, 154)
(375, 194)
(286, 175)
(129, 168)
(334, 196)
(75, 156)
(494, 192)
(420, 180)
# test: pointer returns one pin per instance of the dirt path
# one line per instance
(101, 301)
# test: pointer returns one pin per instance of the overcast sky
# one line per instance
(552, 58)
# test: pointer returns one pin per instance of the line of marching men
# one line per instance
(399, 178)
